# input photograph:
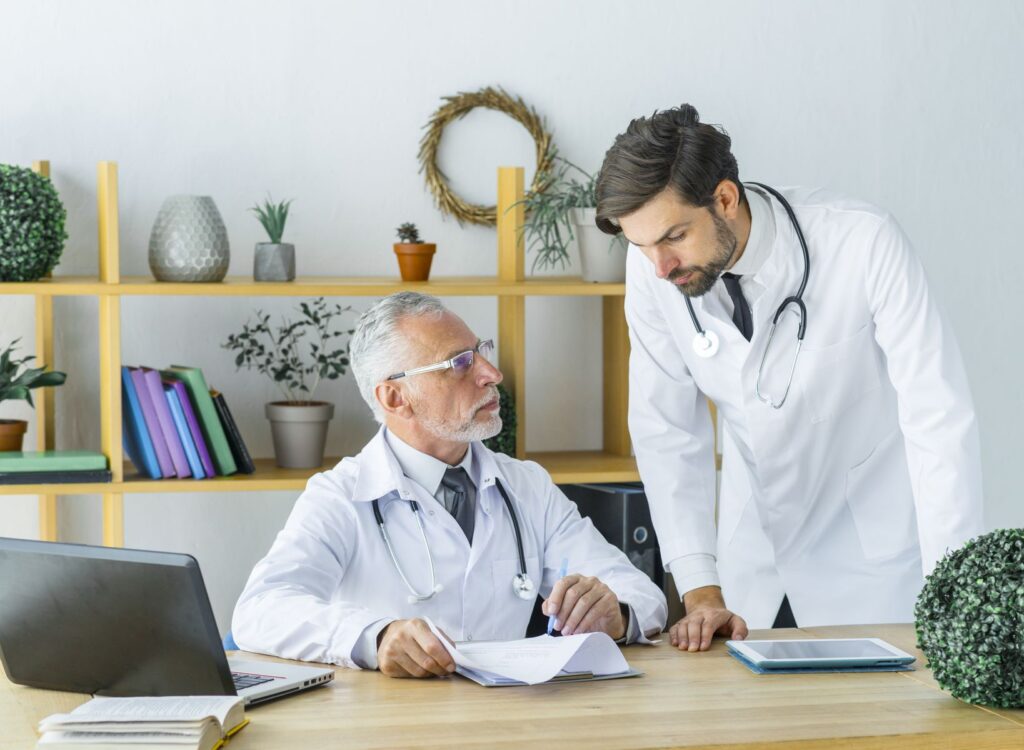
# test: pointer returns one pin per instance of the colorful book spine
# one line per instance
(193, 425)
(184, 434)
(167, 428)
(199, 392)
(163, 456)
(55, 477)
(137, 443)
(238, 449)
(15, 461)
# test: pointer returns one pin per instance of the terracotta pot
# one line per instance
(414, 259)
(11, 433)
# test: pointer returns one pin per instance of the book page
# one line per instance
(185, 709)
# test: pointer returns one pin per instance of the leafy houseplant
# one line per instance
(16, 384)
(297, 356)
(564, 209)
(414, 256)
(505, 441)
(274, 260)
(969, 619)
(31, 225)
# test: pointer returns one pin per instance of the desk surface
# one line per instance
(684, 700)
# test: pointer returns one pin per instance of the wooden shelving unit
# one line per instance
(613, 463)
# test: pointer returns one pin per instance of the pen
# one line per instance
(561, 574)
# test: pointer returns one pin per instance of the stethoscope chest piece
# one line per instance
(522, 585)
(705, 344)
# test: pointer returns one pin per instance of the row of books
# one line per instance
(175, 426)
(53, 467)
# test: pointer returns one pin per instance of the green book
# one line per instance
(11, 461)
(216, 440)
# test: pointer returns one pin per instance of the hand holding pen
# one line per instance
(583, 604)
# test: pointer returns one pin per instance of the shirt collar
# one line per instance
(761, 239)
(422, 468)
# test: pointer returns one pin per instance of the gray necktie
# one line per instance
(460, 499)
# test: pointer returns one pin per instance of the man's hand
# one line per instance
(583, 604)
(706, 616)
(408, 648)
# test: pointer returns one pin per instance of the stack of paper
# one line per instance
(201, 722)
(530, 661)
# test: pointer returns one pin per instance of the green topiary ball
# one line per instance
(970, 620)
(31, 225)
(505, 441)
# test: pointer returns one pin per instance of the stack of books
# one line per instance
(52, 467)
(175, 426)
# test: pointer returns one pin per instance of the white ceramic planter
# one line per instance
(602, 257)
(299, 432)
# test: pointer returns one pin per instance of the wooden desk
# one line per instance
(684, 700)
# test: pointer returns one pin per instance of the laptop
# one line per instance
(123, 622)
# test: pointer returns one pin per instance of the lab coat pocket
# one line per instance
(879, 496)
(840, 374)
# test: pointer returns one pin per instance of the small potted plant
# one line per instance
(563, 210)
(274, 260)
(414, 256)
(31, 225)
(297, 356)
(16, 384)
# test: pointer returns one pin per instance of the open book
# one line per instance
(201, 722)
(530, 661)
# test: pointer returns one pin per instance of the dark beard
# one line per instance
(704, 277)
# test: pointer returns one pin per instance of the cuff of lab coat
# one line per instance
(694, 571)
(364, 653)
(633, 632)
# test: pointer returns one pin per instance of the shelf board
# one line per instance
(318, 286)
(565, 467)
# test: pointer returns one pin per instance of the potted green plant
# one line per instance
(505, 441)
(31, 224)
(565, 209)
(274, 260)
(297, 356)
(16, 384)
(414, 255)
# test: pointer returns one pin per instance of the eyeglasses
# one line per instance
(460, 363)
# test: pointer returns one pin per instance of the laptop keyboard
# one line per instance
(246, 680)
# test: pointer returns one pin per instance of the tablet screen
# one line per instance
(821, 650)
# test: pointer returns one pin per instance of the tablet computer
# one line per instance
(821, 652)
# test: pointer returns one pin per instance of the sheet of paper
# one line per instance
(536, 660)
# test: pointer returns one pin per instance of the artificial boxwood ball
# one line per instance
(31, 225)
(970, 620)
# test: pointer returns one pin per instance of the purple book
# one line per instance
(193, 425)
(163, 455)
(163, 416)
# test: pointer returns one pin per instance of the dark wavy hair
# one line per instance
(671, 148)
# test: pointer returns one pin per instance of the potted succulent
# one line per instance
(274, 260)
(16, 384)
(414, 256)
(505, 441)
(565, 209)
(297, 356)
(31, 225)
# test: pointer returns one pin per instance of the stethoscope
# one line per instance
(706, 344)
(522, 584)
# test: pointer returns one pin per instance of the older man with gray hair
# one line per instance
(427, 523)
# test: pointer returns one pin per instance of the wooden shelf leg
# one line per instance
(616, 376)
(512, 310)
(113, 520)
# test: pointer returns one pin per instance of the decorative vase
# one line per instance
(11, 433)
(414, 259)
(602, 257)
(189, 241)
(274, 261)
(299, 432)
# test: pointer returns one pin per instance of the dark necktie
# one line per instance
(740, 308)
(460, 499)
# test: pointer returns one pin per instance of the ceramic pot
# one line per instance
(274, 261)
(414, 259)
(189, 241)
(299, 432)
(602, 257)
(11, 433)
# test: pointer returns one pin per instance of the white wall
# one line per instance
(913, 105)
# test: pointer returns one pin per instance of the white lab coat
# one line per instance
(328, 576)
(868, 473)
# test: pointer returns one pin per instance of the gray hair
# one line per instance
(378, 349)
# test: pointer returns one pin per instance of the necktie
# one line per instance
(740, 309)
(460, 499)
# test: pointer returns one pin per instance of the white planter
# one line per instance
(602, 256)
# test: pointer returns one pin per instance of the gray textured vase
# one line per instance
(299, 432)
(189, 241)
(274, 262)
